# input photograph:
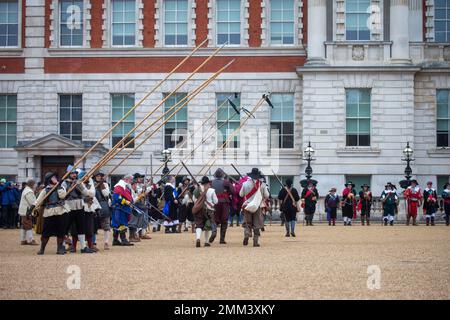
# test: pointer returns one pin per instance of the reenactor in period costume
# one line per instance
(348, 203)
(103, 216)
(389, 199)
(430, 203)
(365, 203)
(446, 200)
(76, 222)
(309, 198)
(54, 213)
(187, 203)
(26, 208)
(90, 207)
(413, 195)
(138, 223)
(171, 206)
(205, 199)
(331, 204)
(253, 191)
(155, 199)
(122, 200)
(289, 205)
(224, 189)
(236, 203)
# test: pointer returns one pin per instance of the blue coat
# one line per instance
(9, 194)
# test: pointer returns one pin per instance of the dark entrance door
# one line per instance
(56, 164)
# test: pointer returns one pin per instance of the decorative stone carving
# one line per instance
(358, 53)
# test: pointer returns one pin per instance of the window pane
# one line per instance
(352, 110)
(443, 111)
(352, 126)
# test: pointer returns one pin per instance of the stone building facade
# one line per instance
(357, 78)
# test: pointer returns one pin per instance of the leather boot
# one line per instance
(223, 232)
(432, 221)
(255, 241)
(414, 222)
(213, 236)
(408, 219)
(368, 221)
(124, 241)
(44, 242)
(179, 228)
(362, 220)
(60, 249)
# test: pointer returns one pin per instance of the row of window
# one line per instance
(228, 13)
(358, 119)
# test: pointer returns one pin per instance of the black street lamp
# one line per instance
(166, 158)
(408, 153)
(308, 156)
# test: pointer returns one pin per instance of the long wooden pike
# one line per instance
(120, 144)
(190, 97)
(79, 161)
(208, 165)
(235, 169)
(282, 185)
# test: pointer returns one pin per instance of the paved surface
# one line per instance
(321, 263)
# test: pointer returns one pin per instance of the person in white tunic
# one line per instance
(26, 207)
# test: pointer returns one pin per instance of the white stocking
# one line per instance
(198, 233)
(106, 236)
(22, 235)
(82, 239)
(29, 235)
(207, 235)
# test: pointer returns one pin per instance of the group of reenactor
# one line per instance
(76, 209)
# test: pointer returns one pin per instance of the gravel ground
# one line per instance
(321, 263)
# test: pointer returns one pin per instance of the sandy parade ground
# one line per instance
(322, 262)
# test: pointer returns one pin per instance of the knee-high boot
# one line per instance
(60, 246)
(44, 242)
(223, 232)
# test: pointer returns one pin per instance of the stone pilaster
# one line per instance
(317, 31)
(399, 31)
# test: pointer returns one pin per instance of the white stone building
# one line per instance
(357, 78)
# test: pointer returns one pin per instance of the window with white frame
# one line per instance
(121, 105)
(442, 20)
(8, 121)
(70, 116)
(228, 120)
(71, 23)
(123, 22)
(9, 23)
(358, 117)
(282, 121)
(443, 118)
(176, 22)
(228, 13)
(282, 22)
(356, 18)
(175, 129)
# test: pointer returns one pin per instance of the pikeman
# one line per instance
(389, 198)
(103, 216)
(139, 223)
(170, 196)
(26, 207)
(224, 189)
(54, 213)
(76, 218)
(365, 203)
(122, 199)
(413, 195)
(156, 204)
(430, 203)
(446, 199)
(90, 206)
(348, 203)
(185, 209)
(309, 198)
(205, 199)
(289, 198)
(253, 191)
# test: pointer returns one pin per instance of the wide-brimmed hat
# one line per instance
(98, 173)
(414, 181)
(205, 180)
(429, 182)
(186, 178)
(138, 175)
(390, 184)
(71, 170)
(365, 185)
(446, 185)
(48, 176)
(332, 189)
(353, 185)
(255, 173)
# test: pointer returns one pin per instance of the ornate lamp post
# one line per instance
(166, 158)
(308, 154)
(408, 157)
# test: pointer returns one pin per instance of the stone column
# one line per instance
(317, 31)
(415, 21)
(34, 37)
(400, 31)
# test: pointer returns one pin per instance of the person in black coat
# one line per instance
(309, 197)
(288, 204)
(171, 206)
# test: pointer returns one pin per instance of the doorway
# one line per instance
(57, 164)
